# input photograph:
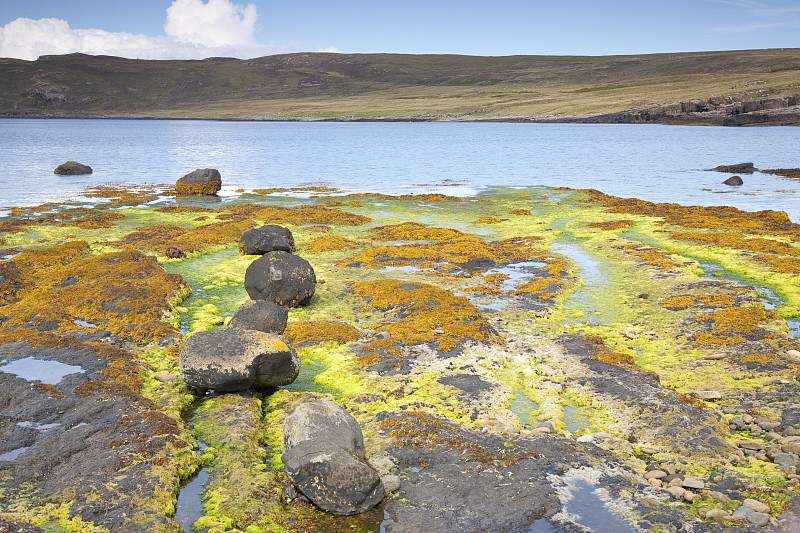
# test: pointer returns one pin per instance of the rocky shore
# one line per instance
(545, 360)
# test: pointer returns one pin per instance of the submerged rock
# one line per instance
(324, 458)
(269, 238)
(260, 315)
(281, 277)
(72, 168)
(235, 360)
(203, 181)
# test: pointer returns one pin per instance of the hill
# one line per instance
(734, 87)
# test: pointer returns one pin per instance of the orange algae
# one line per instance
(520, 212)
(308, 333)
(718, 217)
(654, 257)
(156, 238)
(601, 352)
(793, 173)
(103, 220)
(427, 315)
(488, 220)
(687, 301)
(126, 293)
(413, 231)
(329, 243)
(613, 225)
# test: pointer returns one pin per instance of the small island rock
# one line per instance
(234, 360)
(739, 168)
(260, 315)
(72, 168)
(733, 180)
(203, 181)
(281, 277)
(269, 238)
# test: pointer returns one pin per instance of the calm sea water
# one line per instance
(652, 162)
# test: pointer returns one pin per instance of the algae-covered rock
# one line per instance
(281, 277)
(332, 478)
(324, 420)
(235, 360)
(260, 315)
(72, 168)
(203, 181)
(269, 238)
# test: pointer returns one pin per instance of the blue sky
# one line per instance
(200, 28)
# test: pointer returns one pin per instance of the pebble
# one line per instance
(708, 395)
(692, 483)
(655, 482)
(758, 519)
(408, 389)
(648, 451)
(750, 445)
(717, 514)
(793, 353)
(539, 431)
(715, 356)
(166, 378)
(674, 482)
(717, 496)
(756, 505)
(772, 437)
(390, 483)
(690, 496)
(791, 432)
(747, 418)
(669, 469)
(585, 438)
(792, 447)
(655, 474)
(677, 492)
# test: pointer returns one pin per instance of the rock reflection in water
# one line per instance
(190, 501)
(587, 509)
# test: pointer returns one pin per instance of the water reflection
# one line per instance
(32, 369)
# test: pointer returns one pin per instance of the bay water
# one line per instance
(651, 162)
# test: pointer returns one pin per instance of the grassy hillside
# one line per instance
(354, 86)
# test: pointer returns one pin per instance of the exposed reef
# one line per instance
(507, 356)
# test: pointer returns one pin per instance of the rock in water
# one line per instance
(733, 180)
(739, 168)
(260, 315)
(203, 181)
(269, 238)
(323, 457)
(234, 359)
(72, 168)
(327, 421)
(281, 277)
(332, 479)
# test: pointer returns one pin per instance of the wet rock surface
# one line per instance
(237, 360)
(280, 277)
(67, 430)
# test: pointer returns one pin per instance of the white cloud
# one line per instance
(194, 30)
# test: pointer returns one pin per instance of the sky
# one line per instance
(195, 29)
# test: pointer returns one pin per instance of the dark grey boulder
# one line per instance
(332, 478)
(323, 420)
(260, 315)
(739, 168)
(280, 277)
(18, 527)
(733, 180)
(72, 168)
(269, 238)
(234, 360)
(203, 181)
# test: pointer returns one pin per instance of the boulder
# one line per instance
(260, 315)
(280, 277)
(72, 168)
(332, 478)
(203, 181)
(234, 359)
(327, 421)
(734, 180)
(173, 252)
(269, 238)
(739, 168)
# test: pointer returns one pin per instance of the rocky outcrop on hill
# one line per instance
(720, 111)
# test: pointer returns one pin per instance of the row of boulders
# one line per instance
(203, 181)
(324, 455)
(251, 353)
